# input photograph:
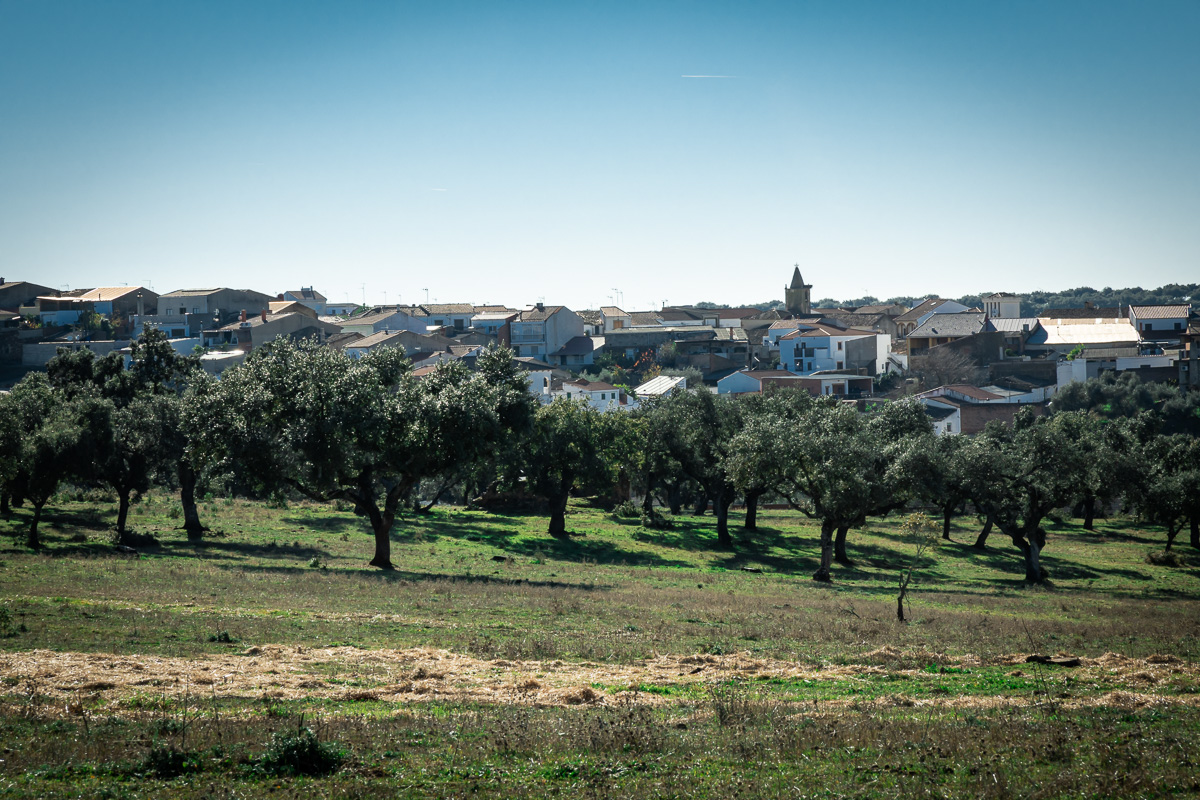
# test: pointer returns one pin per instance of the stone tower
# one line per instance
(797, 297)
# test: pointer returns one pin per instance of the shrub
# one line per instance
(167, 762)
(301, 753)
(657, 520)
(626, 510)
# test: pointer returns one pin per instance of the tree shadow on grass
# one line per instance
(497, 533)
(394, 576)
(219, 548)
(327, 524)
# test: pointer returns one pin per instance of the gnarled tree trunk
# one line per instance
(752, 497)
(32, 539)
(947, 514)
(839, 547)
(675, 498)
(187, 498)
(721, 505)
(558, 508)
(122, 515)
(981, 541)
(823, 574)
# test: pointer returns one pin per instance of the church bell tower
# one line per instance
(797, 297)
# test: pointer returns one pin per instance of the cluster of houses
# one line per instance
(825, 351)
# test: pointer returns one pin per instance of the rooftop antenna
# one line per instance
(426, 295)
(364, 294)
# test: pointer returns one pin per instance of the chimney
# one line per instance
(242, 317)
(279, 297)
(263, 314)
(541, 307)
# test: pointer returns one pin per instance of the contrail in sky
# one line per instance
(707, 76)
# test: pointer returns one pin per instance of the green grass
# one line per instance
(615, 594)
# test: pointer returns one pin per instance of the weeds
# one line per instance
(300, 752)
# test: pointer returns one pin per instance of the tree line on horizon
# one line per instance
(300, 420)
(1032, 303)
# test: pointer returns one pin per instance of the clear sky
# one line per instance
(512, 152)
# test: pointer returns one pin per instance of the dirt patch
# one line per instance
(355, 675)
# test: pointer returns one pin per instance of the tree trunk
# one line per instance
(623, 489)
(4, 507)
(31, 539)
(900, 597)
(187, 498)
(1089, 511)
(721, 510)
(558, 517)
(822, 574)
(1031, 550)
(981, 541)
(383, 546)
(675, 498)
(122, 515)
(839, 547)
(648, 498)
(1172, 532)
(701, 505)
(381, 524)
(1195, 537)
(751, 523)
(947, 513)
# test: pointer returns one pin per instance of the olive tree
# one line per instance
(697, 429)
(1032, 469)
(51, 441)
(300, 416)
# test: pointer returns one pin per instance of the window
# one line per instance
(839, 345)
(170, 312)
(839, 365)
(182, 310)
(949, 427)
(196, 310)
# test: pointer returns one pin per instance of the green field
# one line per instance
(498, 661)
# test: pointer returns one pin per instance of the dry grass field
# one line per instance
(269, 660)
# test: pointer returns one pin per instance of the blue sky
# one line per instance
(511, 152)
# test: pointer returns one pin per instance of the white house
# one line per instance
(1002, 305)
(307, 296)
(615, 319)
(600, 396)
(384, 319)
(823, 347)
(542, 330)
(1156, 323)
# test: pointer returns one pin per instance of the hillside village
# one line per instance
(967, 364)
